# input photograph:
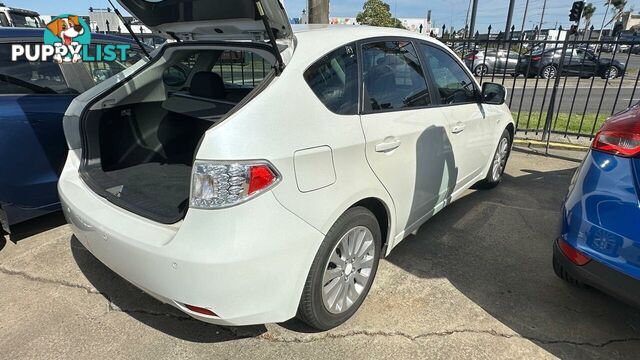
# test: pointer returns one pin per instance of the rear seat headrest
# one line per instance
(208, 85)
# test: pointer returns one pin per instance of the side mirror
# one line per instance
(493, 94)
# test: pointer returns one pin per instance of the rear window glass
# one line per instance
(102, 70)
(25, 77)
(334, 80)
(241, 68)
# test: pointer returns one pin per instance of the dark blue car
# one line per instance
(33, 99)
(600, 239)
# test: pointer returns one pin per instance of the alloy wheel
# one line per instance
(612, 73)
(500, 160)
(348, 270)
(481, 70)
(549, 72)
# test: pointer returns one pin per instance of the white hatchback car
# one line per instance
(248, 173)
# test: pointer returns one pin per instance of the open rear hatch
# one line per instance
(235, 20)
(140, 138)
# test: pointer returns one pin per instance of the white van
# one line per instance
(13, 17)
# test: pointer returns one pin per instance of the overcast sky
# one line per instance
(451, 12)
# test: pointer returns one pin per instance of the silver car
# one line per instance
(492, 62)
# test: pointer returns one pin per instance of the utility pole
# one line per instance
(544, 7)
(524, 19)
(318, 11)
(507, 29)
(606, 12)
(474, 12)
(466, 20)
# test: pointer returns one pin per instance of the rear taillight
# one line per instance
(216, 185)
(619, 136)
(536, 58)
(574, 255)
(472, 57)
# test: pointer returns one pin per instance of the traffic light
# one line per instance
(576, 11)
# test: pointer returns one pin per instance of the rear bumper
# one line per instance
(601, 277)
(247, 264)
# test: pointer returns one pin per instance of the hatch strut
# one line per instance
(135, 37)
(272, 38)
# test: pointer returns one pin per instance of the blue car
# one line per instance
(33, 99)
(599, 244)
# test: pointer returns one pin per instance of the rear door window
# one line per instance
(31, 77)
(393, 77)
(334, 80)
(455, 86)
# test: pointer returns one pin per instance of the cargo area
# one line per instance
(139, 153)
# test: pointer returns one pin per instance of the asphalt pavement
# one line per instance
(475, 282)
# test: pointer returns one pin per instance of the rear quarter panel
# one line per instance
(286, 118)
(32, 149)
(602, 211)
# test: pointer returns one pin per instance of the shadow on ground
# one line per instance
(492, 246)
(495, 248)
(124, 297)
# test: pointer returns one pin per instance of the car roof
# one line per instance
(17, 33)
(318, 39)
(341, 34)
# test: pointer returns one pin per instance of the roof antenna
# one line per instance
(126, 25)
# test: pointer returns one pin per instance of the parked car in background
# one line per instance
(242, 200)
(14, 17)
(33, 99)
(492, 62)
(632, 44)
(577, 62)
(599, 243)
(607, 47)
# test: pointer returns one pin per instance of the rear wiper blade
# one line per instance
(126, 25)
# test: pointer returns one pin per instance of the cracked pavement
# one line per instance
(475, 282)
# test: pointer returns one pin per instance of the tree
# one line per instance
(377, 13)
(587, 14)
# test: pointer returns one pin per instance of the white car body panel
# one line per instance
(231, 260)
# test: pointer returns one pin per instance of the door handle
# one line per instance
(388, 146)
(458, 128)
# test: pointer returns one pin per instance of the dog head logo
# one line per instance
(67, 29)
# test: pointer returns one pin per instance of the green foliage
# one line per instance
(377, 13)
(587, 14)
(588, 11)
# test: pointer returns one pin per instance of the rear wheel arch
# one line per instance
(512, 130)
(382, 214)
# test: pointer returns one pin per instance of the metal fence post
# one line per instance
(552, 102)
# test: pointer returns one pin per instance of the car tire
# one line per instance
(548, 72)
(562, 273)
(481, 70)
(321, 305)
(498, 163)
